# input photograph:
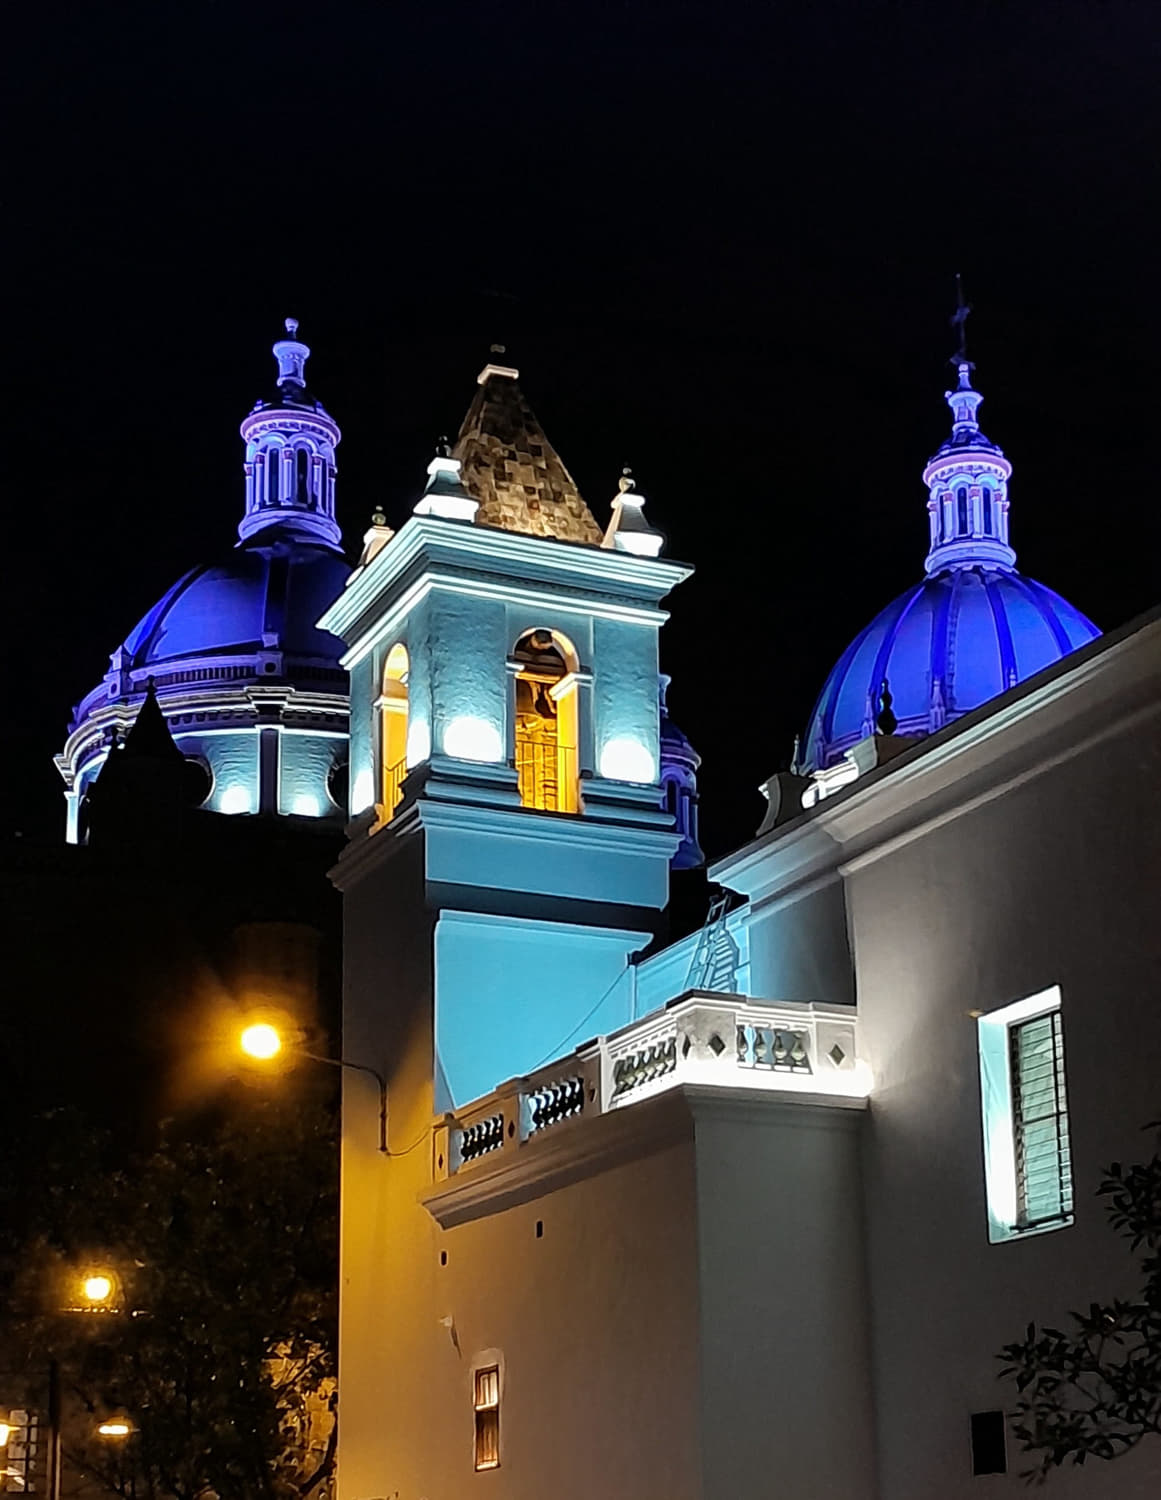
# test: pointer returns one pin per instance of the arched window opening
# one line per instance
(393, 731)
(961, 501)
(546, 722)
(302, 477)
(273, 475)
(986, 493)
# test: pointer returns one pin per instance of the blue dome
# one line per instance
(945, 647)
(266, 594)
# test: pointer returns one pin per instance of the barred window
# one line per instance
(1040, 1121)
(487, 1405)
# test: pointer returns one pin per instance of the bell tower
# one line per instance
(505, 734)
(509, 846)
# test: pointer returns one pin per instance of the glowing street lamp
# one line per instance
(115, 1427)
(97, 1289)
(263, 1042)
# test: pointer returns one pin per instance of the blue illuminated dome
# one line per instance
(972, 629)
(265, 594)
(250, 688)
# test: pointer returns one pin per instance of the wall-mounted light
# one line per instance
(627, 760)
(418, 743)
(470, 738)
(235, 799)
(362, 790)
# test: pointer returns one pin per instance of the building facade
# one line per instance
(753, 1214)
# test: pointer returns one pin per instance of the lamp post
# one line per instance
(263, 1042)
(53, 1430)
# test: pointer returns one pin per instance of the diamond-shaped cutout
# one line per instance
(686, 1045)
(837, 1055)
(716, 1045)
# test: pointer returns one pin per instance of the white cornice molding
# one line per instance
(241, 708)
(563, 831)
(432, 541)
(585, 1146)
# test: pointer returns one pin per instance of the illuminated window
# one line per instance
(393, 731)
(1027, 1153)
(546, 722)
(486, 1384)
(961, 501)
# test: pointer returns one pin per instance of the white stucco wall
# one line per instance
(1053, 883)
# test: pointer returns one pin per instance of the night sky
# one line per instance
(719, 242)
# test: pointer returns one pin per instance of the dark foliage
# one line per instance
(1094, 1390)
(218, 1344)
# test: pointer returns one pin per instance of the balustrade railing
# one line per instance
(704, 1039)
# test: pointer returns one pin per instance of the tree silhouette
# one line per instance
(1094, 1390)
(219, 1342)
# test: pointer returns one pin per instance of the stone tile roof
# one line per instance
(512, 469)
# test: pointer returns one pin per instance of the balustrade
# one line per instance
(699, 1038)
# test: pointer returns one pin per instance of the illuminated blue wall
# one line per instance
(512, 994)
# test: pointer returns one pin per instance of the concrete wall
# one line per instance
(1054, 882)
(593, 1322)
(512, 994)
(785, 1373)
(799, 948)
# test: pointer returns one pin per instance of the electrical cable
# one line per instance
(555, 1051)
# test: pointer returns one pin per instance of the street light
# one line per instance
(115, 1427)
(263, 1042)
(95, 1290)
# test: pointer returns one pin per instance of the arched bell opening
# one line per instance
(546, 722)
(393, 731)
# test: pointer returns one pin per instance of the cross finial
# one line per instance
(959, 323)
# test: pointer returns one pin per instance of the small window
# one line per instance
(987, 504)
(302, 477)
(989, 1445)
(273, 475)
(961, 502)
(487, 1404)
(1027, 1153)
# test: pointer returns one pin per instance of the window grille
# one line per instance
(1040, 1121)
(487, 1405)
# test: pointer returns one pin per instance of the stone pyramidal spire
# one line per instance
(511, 468)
